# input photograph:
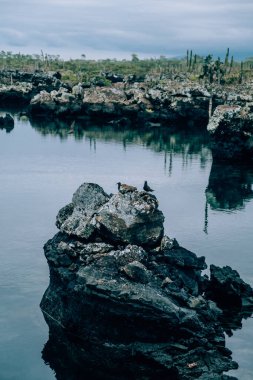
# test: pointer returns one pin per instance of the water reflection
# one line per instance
(8, 128)
(171, 141)
(72, 359)
(229, 186)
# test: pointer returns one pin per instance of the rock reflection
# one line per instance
(72, 359)
(6, 122)
(229, 186)
(8, 128)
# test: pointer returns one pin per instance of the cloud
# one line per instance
(149, 27)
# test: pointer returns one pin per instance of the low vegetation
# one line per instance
(207, 69)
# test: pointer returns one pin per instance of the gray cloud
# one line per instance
(105, 27)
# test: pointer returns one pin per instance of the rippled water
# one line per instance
(208, 208)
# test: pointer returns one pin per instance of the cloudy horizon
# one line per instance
(116, 29)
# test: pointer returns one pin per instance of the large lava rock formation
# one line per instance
(127, 302)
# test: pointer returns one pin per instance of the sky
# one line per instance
(118, 28)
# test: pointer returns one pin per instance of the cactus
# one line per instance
(227, 57)
(190, 62)
(231, 64)
(241, 74)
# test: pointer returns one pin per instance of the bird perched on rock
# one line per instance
(147, 188)
(124, 188)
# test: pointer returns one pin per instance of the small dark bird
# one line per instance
(124, 188)
(147, 188)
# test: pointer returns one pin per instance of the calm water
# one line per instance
(42, 165)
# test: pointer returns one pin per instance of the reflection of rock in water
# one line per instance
(129, 302)
(7, 123)
(229, 186)
(72, 359)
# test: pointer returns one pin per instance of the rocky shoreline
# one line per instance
(126, 301)
(226, 111)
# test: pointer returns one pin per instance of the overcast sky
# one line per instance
(117, 28)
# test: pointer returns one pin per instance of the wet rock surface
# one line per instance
(127, 302)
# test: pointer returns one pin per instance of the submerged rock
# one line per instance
(127, 302)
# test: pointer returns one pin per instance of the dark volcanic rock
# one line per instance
(231, 130)
(14, 95)
(37, 77)
(227, 288)
(126, 302)
(17, 88)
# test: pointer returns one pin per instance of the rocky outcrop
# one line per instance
(226, 286)
(174, 100)
(171, 101)
(16, 94)
(231, 130)
(129, 218)
(17, 88)
(36, 77)
(57, 103)
(7, 122)
(127, 302)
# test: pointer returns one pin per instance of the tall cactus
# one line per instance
(227, 58)
(190, 61)
(241, 74)
(231, 64)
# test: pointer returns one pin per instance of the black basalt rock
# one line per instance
(125, 301)
(228, 289)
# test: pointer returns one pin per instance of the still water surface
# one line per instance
(208, 208)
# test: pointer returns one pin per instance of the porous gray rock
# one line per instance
(133, 218)
(77, 218)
